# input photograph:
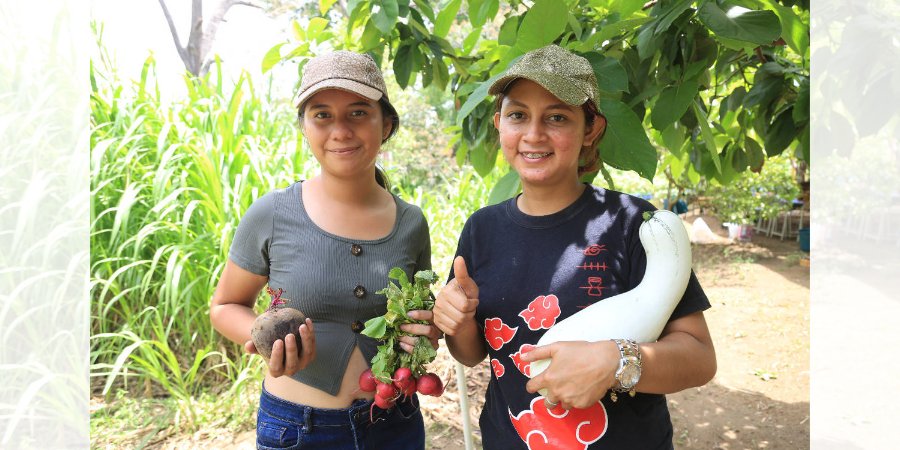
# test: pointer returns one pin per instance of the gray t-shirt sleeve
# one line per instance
(250, 246)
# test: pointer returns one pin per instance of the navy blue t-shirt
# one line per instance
(533, 271)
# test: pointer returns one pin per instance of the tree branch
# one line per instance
(212, 28)
(174, 31)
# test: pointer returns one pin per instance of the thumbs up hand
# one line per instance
(454, 308)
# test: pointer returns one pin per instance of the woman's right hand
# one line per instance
(278, 364)
(455, 305)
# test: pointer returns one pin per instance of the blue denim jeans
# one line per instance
(285, 425)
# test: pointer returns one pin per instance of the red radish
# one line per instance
(402, 378)
(431, 384)
(383, 403)
(367, 381)
(410, 388)
(385, 391)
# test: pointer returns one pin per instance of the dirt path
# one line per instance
(759, 321)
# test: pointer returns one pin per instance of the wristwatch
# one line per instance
(629, 371)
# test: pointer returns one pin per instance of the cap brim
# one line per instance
(343, 84)
(560, 87)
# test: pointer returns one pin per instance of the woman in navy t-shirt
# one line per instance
(562, 245)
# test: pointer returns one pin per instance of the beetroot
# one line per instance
(277, 322)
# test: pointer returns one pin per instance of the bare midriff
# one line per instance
(289, 389)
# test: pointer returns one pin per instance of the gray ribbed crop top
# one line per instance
(331, 279)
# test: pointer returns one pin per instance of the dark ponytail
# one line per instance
(381, 178)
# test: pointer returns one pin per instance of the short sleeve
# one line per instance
(250, 246)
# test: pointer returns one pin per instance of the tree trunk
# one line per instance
(196, 54)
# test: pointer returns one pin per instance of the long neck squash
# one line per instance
(641, 313)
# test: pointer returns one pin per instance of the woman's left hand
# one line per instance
(580, 373)
(430, 331)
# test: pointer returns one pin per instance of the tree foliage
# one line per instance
(716, 86)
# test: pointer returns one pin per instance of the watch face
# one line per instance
(631, 373)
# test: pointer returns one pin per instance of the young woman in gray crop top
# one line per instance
(328, 243)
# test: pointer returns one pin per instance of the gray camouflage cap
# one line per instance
(348, 71)
(566, 75)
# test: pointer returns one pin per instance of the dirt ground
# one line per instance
(759, 321)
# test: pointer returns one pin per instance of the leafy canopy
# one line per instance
(707, 88)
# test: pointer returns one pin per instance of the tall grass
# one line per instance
(43, 230)
(169, 183)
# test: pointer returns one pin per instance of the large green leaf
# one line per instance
(759, 27)
(672, 103)
(733, 101)
(371, 36)
(611, 76)
(483, 157)
(765, 88)
(794, 31)
(543, 23)
(707, 135)
(273, 56)
(482, 10)
(608, 31)
(626, 8)
(325, 5)
(508, 31)
(739, 160)
(386, 16)
(508, 186)
(647, 42)
(673, 138)
(780, 134)
(667, 12)
(755, 155)
(625, 145)
(728, 173)
(477, 96)
(426, 9)
(446, 17)
(403, 64)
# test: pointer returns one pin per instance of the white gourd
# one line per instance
(641, 313)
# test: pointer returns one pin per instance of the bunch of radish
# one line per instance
(402, 385)
(395, 373)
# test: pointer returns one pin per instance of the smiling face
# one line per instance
(541, 136)
(344, 131)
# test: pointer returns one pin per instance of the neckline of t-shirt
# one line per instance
(551, 220)
(298, 195)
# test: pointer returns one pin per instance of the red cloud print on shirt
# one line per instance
(523, 367)
(569, 430)
(542, 312)
(497, 333)
(499, 370)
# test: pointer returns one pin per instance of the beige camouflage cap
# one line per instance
(345, 70)
(567, 76)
